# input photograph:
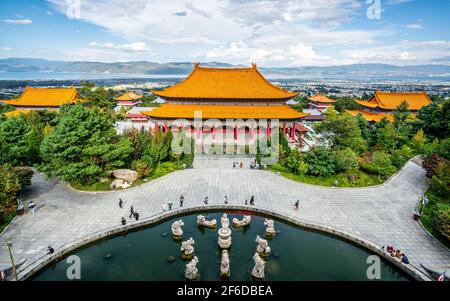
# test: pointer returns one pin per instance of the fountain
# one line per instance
(258, 269)
(263, 248)
(201, 221)
(270, 230)
(225, 265)
(191, 272)
(187, 248)
(224, 233)
(177, 232)
(246, 219)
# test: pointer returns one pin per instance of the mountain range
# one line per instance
(366, 71)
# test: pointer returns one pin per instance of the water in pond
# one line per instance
(297, 254)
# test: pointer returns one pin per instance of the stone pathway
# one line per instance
(381, 215)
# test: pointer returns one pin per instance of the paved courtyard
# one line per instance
(381, 215)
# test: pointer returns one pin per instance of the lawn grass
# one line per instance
(435, 205)
(363, 179)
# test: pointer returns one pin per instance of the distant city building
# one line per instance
(382, 104)
(320, 102)
(41, 99)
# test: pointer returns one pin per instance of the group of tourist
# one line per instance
(238, 165)
(133, 213)
(397, 254)
(253, 165)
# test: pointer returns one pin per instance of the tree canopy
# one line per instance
(83, 145)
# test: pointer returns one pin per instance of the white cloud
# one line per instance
(18, 21)
(270, 32)
(414, 26)
(132, 47)
(6, 48)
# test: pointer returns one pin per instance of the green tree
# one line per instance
(435, 119)
(302, 168)
(387, 137)
(418, 142)
(97, 97)
(381, 162)
(321, 162)
(15, 144)
(346, 103)
(9, 189)
(347, 160)
(83, 145)
(159, 148)
(341, 132)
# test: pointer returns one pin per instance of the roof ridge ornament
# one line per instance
(254, 65)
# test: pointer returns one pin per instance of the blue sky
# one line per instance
(268, 32)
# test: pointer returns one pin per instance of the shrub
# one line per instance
(442, 222)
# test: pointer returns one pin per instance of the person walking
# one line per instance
(32, 206)
(181, 200)
(206, 201)
(136, 216)
(252, 201)
(120, 203)
(123, 221)
(131, 211)
(296, 205)
(226, 200)
(170, 204)
(50, 250)
(246, 202)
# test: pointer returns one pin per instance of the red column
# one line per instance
(293, 133)
(268, 132)
(236, 133)
(166, 128)
(284, 129)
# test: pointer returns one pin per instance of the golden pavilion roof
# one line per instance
(321, 98)
(173, 111)
(370, 116)
(391, 100)
(225, 83)
(16, 113)
(128, 96)
(44, 97)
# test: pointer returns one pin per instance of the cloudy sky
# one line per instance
(268, 32)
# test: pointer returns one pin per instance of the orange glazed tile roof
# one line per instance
(371, 117)
(391, 100)
(16, 113)
(321, 98)
(173, 111)
(128, 96)
(44, 97)
(225, 83)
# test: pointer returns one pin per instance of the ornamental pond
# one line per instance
(150, 254)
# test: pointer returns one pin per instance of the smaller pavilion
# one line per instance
(41, 99)
(320, 102)
(382, 104)
(128, 99)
